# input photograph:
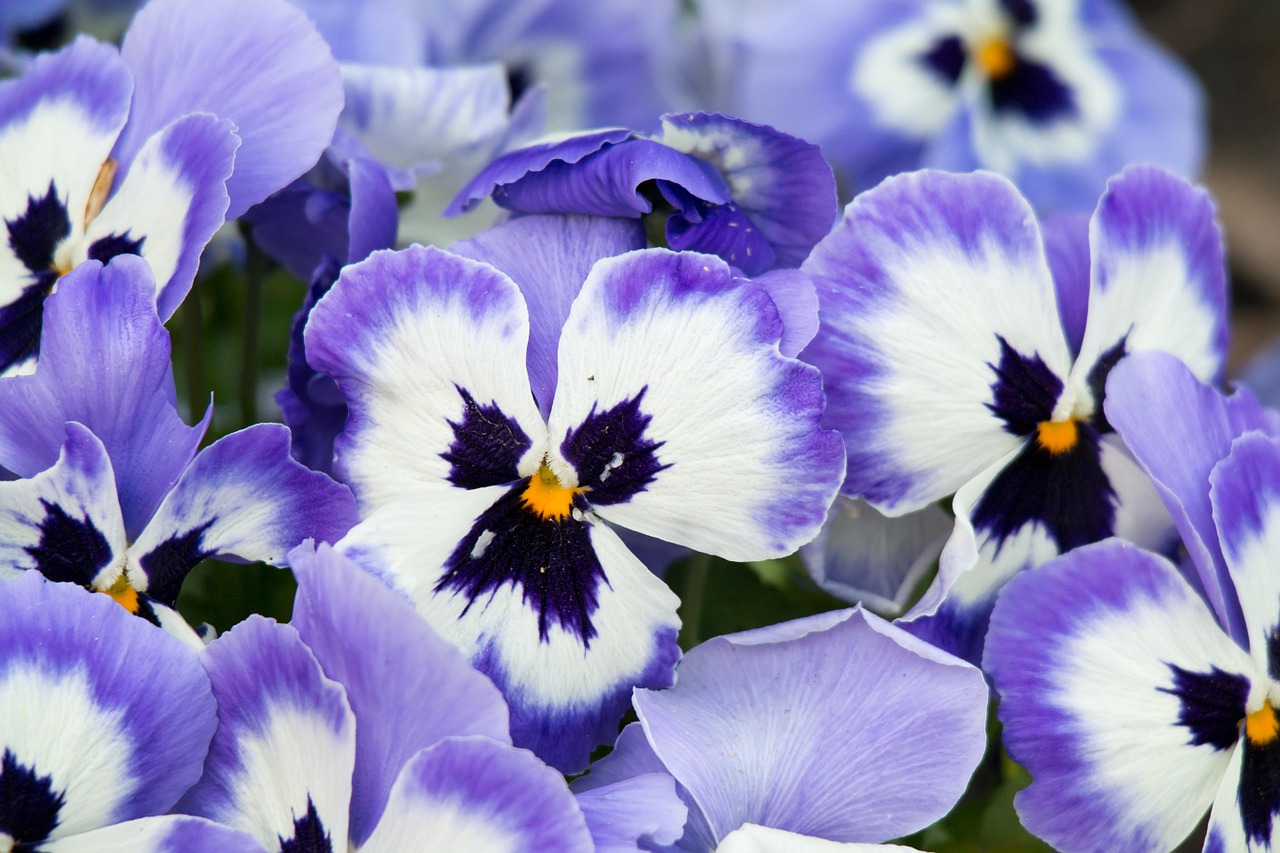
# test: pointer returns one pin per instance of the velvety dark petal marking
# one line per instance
(70, 550)
(1067, 492)
(28, 804)
(1025, 390)
(1023, 12)
(1033, 90)
(723, 230)
(109, 247)
(34, 235)
(551, 559)
(611, 454)
(487, 446)
(1259, 789)
(1273, 653)
(309, 834)
(946, 58)
(1098, 381)
(21, 322)
(1213, 704)
(168, 564)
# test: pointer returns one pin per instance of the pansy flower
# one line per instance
(104, 723)
(1141, 695)
(116, 497)
(958, 359)
(132, 152)
(1056, 96)
(808, 733)
(665, 407)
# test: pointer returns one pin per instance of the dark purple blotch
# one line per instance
(113, 245)
(609, 450)
(309, 834)
(1259, 797)
(1024, 392)
(1034, 90)
(29, 806)
(169, 563)
(487, 446)
(946, 58)
(33, 237)
(70, 550)
(1211, 704)
(1098, 381)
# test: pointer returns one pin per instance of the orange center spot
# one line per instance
(546, 496)
(124, 595)
(995, 58)
(1057, 436)
(1262, 727)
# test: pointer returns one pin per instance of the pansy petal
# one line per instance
(1066, 245)
(796, 299)
(1244, 811)
(162, 834)
(244, 496)
(750, 838)
(561, 616)
(1158, 277)
(102, 717)
(642, 808)
(393, 331)
(65, 522)
(58, 122)
(1178, 428)
(681, 417)
(280, 764)
(549, 257)
(935, 293)
(371, 224)
(781, 182)
(258, 63)
(420, 691)
(864, 556)
(514, 165)
(473, 793)
(1121, 695)
(104, 317)
(755, 717)
(1245, 493)
(168, 206)
(631, 756)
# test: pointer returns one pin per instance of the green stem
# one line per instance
(256, 264)
(692, 597)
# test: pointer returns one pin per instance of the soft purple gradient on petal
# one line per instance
(162, 834)
(1066, 245)
(259, 63)
(86, 72)
(794, 296)
(640, 809)
(755, 718)
(103, 318)
(407, 686)
(549, 257)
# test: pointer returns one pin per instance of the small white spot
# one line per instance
(614, 461)
(577, 513)
(482, 542)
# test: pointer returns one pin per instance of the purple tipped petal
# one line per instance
(549, 257)
(258, 63)
(164, 834)
(892, 727)
(407, 687)
(106, 718)
(640, 809)
(1066, 245)
(244, 497)
(1121, 695)
(796, 299)
(105, 318)
(473, 793)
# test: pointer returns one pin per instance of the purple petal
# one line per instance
(104, 317)
(258, 63)
(408, 688)
(162, 834)
(1121, 695)
(796, 299)
(756, 718)
(549, 258)
(473, 793)
(643, 809)
(1066, 245)
(282, 756)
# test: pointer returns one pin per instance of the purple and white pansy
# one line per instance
(756, 717)
(116, 497)
(104, 723)
(671, 413)
(956, 361)
(148, 150)
(1139, 694)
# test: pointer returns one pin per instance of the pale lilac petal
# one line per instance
(643, 808)
(163, 834)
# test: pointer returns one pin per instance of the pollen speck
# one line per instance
(995, 58)
(1262, 727)
(1057, 436)
(546, 496)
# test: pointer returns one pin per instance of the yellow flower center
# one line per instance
(546, 496)
(1262, 727)
(124, 594)
(995, 58)
(1057, 436)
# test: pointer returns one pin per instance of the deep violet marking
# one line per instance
(946, 58)
(1034, 90)
(35, 234)
(614, 459)
(1273, 651)
(486, 448)
(21, 322)
(1023, 12)
(29, 806)
(108, 247)
(1211, 704)
(70, 550)
(550, 559)
(309, 834)
(1098, 381)
(1259, 797)
(168, 564)
(1024, 392)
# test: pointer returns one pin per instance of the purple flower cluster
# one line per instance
(530, 371)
